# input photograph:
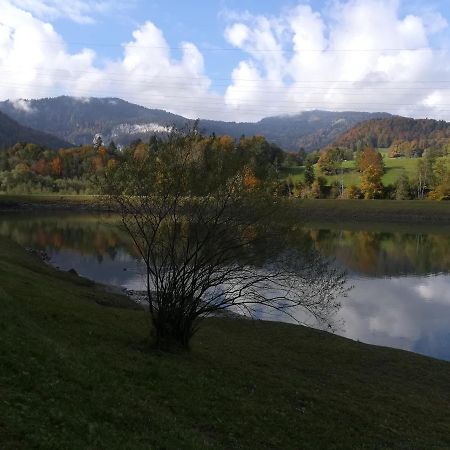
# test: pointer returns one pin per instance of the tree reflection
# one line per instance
(385, 254)
(370, 253)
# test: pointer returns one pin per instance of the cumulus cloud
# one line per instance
(407, 312)
(355, 55)
(361, 55)
(35, 62)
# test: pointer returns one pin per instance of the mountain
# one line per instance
(11, 132)
(79, 119)
(309, 129)
(402, 134)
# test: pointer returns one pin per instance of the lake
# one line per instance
(401, 275)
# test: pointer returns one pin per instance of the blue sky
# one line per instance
(247, 59)
(199, 21)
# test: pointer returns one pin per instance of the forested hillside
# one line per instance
(78, 120)
(310, 130)
(403, 136)
(12, 132)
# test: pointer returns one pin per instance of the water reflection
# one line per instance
(412, 313)
(385, 253)
(401, 296)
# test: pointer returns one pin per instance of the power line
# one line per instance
(313, 90)
(180, 97)
(235, 49)
(15, 68)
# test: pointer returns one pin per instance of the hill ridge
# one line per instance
(12, 132)
(77, 120)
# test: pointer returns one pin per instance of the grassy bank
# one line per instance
(75, 374)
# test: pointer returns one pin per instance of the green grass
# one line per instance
(394, 167)
(77, 375)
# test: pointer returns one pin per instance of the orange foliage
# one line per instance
(371, 158)
(226, 142)
(56, 166)
(250, 181)
(102, 152)
(40, 167)
(97, 162)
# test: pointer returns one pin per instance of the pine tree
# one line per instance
(402, 187)
(309, 173)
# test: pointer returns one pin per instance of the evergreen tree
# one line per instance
(309, 172)
(112, 147)
(402, 187)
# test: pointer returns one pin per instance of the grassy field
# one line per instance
(75, 374)
(394, 167)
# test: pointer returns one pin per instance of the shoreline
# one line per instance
(322, 211)
(310, 212)
(137, 297)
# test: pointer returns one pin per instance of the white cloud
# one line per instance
(353, 56)
(23, 105)
(34, 62)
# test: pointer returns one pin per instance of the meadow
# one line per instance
(394, 167)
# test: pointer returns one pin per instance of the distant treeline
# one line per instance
(28, 168)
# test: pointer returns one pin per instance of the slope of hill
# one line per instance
(401, 134)
(78, 120)
(309, 129)
(12, 132)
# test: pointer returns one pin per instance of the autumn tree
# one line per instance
(441, 188)
(370, 157)
(371, 185)
(352, 192)
(330, 161)
(56, 166)
(210, 243)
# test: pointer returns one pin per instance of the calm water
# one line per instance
(401, 278)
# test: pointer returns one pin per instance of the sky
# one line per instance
(229, 59)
